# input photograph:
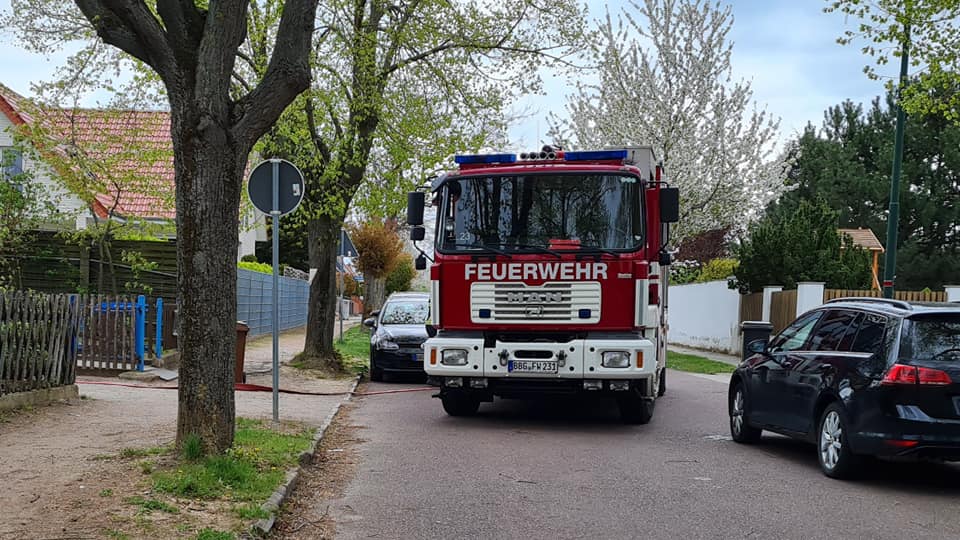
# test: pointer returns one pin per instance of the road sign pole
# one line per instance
(275, 216)
(341, 283)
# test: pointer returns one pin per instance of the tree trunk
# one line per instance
(376, 289)
(209, 171)
(318, 351)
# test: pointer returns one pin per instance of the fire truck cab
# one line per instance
(548, 276)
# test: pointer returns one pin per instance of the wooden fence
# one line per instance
(37, 341)
(907, 296)
(108, 333)
(783, 309)
(751, 307)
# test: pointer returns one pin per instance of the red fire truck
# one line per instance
(548, 276)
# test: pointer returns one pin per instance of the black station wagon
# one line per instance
(858, 377)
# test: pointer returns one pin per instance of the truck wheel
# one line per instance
(460, 404)
(634, 410)
(663, 383)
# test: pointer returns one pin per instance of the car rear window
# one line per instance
(930, 338)
(405, 312)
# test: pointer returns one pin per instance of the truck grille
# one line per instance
(569, 302)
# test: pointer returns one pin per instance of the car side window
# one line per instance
(795, 336)
(829, 333)
(846, 343)
(870, 335)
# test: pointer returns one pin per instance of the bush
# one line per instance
(250, 257)
(684, 272)
(378, 248)
(400, 278)
(263, 268)
(717, 269)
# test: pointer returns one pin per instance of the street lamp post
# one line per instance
(893, 218)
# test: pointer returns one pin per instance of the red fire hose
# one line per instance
(244, 387)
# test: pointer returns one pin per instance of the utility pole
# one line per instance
(893, 217)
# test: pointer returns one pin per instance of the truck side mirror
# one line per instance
(418, 233)
(669, 205)
(665, 259)
(421, 262)
(415, 203)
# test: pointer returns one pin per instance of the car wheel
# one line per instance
(740, 429)
(663, 383)
(376, 374)
(634, 410)
(460, 404)
(833, 444)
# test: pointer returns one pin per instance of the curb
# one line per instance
(263, 527)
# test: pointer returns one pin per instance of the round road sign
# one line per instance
(290, 186)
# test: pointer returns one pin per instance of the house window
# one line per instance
(11, 165)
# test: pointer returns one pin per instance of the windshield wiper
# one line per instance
(490, 247)
(538, 249)
(605, 251)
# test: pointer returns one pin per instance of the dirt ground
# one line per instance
(60, 474)
(305, 514)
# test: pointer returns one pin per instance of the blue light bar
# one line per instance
(485, 158)
(595, 155)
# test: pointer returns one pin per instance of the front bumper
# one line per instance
(399, 361)
(577, 360)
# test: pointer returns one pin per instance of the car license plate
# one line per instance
(418, 357)
(532, 366)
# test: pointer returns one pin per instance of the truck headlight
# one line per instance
(615, 359)
(387, 345)
(454, 357)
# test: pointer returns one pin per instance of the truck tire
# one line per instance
(634, 410)
(460, 404)
(662, 389)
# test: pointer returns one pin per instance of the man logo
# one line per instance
(534, 312)
(532, 297)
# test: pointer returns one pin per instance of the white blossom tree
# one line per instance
(665, 80)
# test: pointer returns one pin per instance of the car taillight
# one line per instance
(654, 294)
(902, 374)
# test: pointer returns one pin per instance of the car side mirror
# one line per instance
(669, 205)
(759, 346)
(375, 313)
(370, 323)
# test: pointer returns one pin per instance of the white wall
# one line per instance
(66, 203)
(704, 315)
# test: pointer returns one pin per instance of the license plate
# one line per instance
(418, 357)
(531, 366)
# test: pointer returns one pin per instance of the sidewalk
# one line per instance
(52, 459)
(259, 354)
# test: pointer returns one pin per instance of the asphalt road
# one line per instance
(571, 470)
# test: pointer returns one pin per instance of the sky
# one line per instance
(786, 48)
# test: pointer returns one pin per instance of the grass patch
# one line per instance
(213, 534)
(697, 364)
(116, 535)
(150, 505)
(249, 471)
(192, 447)
(355, 349)
(106, 493)
(250, 511)
(144, 452)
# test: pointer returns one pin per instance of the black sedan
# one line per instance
(396, 342)
(858, 377)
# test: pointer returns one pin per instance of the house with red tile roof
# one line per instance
(127, 154)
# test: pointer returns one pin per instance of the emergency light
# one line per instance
(595, 155)
(485, 158)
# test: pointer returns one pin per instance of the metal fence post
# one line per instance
(140, 316)
(158, 342)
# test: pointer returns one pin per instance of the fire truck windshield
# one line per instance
(534, 212)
